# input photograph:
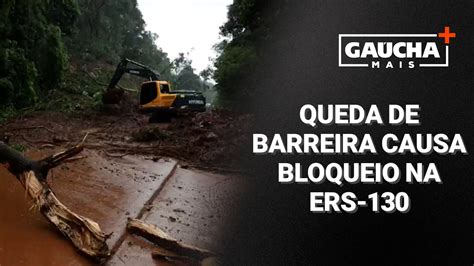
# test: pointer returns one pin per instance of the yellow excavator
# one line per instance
(156, 96)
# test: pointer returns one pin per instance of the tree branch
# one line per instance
(163, 240)
(84, 233)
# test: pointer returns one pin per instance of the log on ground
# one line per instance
(163, 240)
(84, 233)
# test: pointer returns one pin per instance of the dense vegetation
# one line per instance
(61, 53)
(235, 67)
(247, 33)
(32, 53)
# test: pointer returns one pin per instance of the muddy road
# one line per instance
(119, 177)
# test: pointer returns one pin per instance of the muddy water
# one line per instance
(191, 206)
(107, 190)
(26, 238)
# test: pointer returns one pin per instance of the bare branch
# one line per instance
(84, 233)
(163, 240)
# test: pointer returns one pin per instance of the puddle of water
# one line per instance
(103, 189)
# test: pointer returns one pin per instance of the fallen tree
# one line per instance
(84, 233)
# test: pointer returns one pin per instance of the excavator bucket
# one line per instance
(112, 96)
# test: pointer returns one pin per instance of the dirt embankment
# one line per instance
(209, 140)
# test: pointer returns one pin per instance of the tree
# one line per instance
(206, 74)
(237, 52)
(39, 37)
(185, 77)
(32, 51)
(240, 53)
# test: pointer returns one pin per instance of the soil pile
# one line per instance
(212, 139)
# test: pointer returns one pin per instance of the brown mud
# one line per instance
(26, 238)
(212, 139)
(121, 176)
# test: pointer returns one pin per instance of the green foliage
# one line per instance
(206, 74)
(245, 33)
(232, 69)
(111, 30)
(6, 112)
(18, 147)
(60, 54)
(6, 91)
(243, 16)
(32, 53)
(52, 59)
(63, 13)
(18, 78)
(188, 80)
(185, 78)
(244, 28)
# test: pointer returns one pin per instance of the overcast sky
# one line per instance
(186, 26)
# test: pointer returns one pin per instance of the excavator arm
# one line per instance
(155, 95)
(133, 68)
(113, 95)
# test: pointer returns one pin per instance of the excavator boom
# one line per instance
(155, 96)
(134, 68)
(113, 95)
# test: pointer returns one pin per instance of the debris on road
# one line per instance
(175, 249)
(84, 233)
(128, 159)
(209, 139)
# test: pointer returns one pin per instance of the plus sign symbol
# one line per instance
(446, 35)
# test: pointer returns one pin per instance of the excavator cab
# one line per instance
(159, 96)
(155, 96)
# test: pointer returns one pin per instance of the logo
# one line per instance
(196, 102)
(390, 51)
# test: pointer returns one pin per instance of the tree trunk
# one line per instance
(84, 233)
